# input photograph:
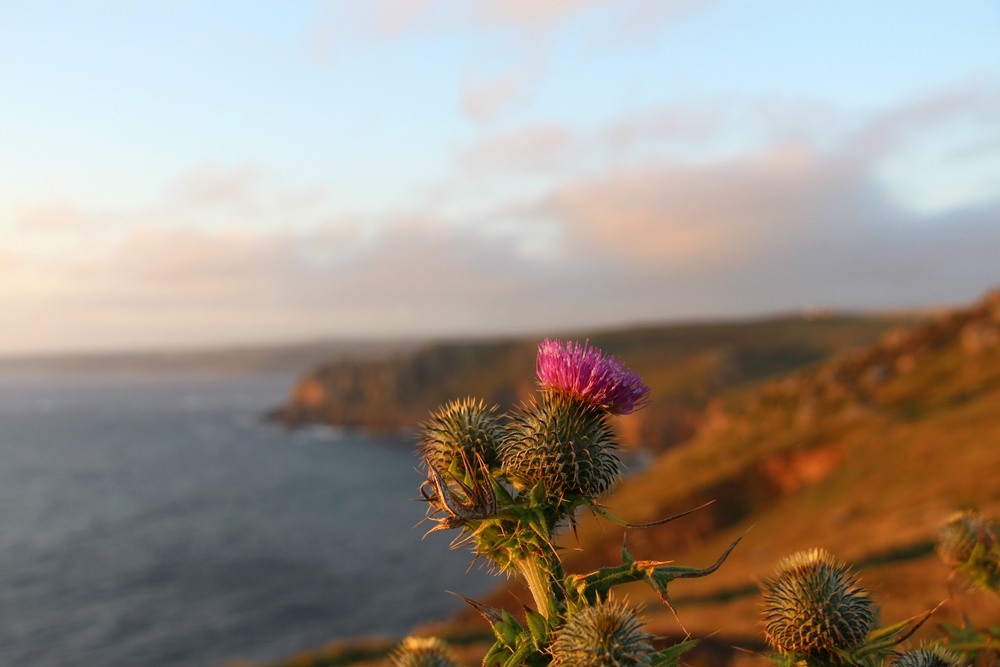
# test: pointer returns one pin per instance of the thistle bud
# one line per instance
(963, 533)
(422, 652)
(565, 443)
(463, 431)
(813, 606)
(605, 635)
(928, 657)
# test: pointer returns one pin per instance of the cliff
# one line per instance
(865, 454)
(685, 366)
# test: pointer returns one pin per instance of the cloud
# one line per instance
(720, 211)
(483, 103)
(57, 216)
(535, 13)
(671, 123)
(209, 183)
(786, 225)
(531, 148)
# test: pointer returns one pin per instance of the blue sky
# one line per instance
(182, 173)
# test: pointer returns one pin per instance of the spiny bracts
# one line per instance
(963, 533)
(422, 652)
(813, 606)
(563, 442)
(461, 431)
(928, 657)
(607, 634)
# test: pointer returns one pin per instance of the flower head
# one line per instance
(813, 606)
(605, 635)
(928, 657)
(587, 373)
(422, 652)
(564, 443)
(461, 431)
(963, 533)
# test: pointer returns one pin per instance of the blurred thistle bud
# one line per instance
(813, 606)
(605, 635)
(929, 657)
(587, 374)
(963, 533)
(564, 443)
(422, 652)
(461, 431)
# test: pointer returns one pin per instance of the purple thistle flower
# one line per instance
(591, 375)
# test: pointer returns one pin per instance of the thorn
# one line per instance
(668, 519)
(709, 570)
(489, 613)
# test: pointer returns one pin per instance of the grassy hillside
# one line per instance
(865, 454)
(685, 365)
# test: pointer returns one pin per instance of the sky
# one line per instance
(188, 173)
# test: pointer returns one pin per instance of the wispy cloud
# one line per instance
(209, 183)
(483, 103)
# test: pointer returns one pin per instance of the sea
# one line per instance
(158, 521)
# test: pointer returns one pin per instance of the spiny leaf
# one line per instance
(670, 657)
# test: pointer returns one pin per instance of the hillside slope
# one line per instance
(865, 455)
(685, 365)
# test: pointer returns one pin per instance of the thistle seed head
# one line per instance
(605, 635)
(813, 605)
(461, 430)
(963, 532)
(422, 652)
(928, 657)
(586, 373)
(565, 443)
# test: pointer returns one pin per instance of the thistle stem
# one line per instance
(536, 573)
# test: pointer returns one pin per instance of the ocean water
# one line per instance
(157, 522)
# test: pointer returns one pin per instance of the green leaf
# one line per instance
(626, 556)
(538, 626)
(520, 655)
(537, 496)
(887, 631)
(670, 657)
(503, 497)
(508, 630)
(496, 656)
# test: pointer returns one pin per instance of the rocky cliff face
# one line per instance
(685, 365)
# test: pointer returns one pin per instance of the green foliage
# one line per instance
(554, 456)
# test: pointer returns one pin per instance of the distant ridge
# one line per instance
(294, 358)
(684, 364)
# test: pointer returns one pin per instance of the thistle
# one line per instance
(564, 443)
(963, 533)
(813, 606)
(589, 375)
(422, 652)
(971, 543)
(461, 432)
(555, 455)
(928, 657)
(607, 634)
